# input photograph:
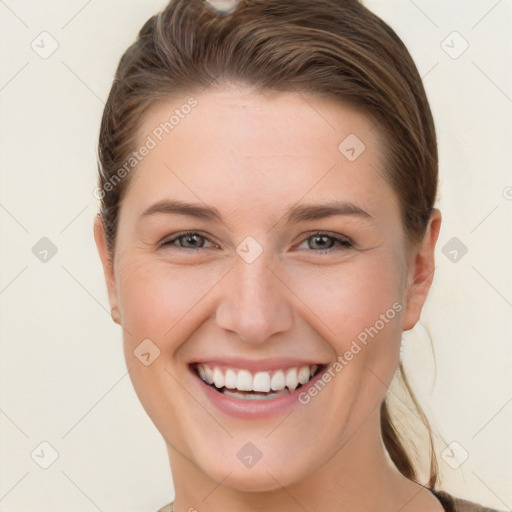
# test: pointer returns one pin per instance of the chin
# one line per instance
(258, 479)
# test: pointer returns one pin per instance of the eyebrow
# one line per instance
(198, 211)
(321, 211)
(294, 214)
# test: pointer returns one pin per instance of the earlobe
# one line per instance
(421, 272)
(106, 261)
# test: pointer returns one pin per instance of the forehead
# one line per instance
(259, 125)
(243, 150)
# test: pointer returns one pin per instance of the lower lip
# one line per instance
(254, 409)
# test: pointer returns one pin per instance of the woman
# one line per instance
(268, 174)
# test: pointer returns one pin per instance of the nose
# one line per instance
(254, 302)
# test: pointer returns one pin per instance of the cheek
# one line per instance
(161, 307)
(156, 298)
(357, 307)
(354, 297)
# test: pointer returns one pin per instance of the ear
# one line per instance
(106, 260)
(420, 273)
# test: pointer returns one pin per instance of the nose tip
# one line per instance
(253, 303)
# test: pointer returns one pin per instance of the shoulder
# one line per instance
(167, 508)
(452, 504)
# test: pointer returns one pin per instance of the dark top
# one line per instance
(450, 504)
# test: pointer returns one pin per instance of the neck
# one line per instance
(357, 478)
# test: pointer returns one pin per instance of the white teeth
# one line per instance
(262, 382)
(259, 397)
(248, 396)
(230, 380)
(218, 378)
(277, 382)
(303, 375)
(244, 381)
(291, 379)
(208, 373)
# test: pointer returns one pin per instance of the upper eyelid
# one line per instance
(336, 236)
(174, 238)
(341, 239)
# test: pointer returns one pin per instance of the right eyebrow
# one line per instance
(197, 211)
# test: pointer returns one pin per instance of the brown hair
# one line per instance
(333, 48)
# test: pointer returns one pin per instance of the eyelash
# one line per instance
(343, 243)
(183, 234)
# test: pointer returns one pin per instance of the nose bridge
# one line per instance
(254, 303)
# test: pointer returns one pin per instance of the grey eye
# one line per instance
(191, 241)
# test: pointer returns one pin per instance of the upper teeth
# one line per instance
(244, 380)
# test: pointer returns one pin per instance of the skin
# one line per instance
(252, 157)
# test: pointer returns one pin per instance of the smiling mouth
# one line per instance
(261, 385)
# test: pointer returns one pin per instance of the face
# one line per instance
(256, 255)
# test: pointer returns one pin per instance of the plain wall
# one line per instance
(63, 376)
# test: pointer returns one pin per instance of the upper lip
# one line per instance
(255, 365)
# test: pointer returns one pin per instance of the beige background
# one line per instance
(63, 377)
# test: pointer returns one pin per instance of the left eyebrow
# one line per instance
(321, 211)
